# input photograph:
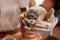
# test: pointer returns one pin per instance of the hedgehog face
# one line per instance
(31, 16)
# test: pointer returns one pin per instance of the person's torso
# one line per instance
(10, 10)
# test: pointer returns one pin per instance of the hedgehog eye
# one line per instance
(27, 13)
(35, 18)
(31, 21)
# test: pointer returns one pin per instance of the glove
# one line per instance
(49, 23)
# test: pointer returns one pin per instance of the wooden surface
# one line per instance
(56, 34)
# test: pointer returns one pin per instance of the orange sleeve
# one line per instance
(48, 4)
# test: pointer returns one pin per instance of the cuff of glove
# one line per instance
(43, 7)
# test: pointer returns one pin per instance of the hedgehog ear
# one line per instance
(50, 13)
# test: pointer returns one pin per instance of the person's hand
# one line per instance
(49, 22)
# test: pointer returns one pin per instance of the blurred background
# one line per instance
(39, 2)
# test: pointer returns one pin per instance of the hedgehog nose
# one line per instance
(28, 24)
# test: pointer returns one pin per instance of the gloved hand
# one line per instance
(50, 20)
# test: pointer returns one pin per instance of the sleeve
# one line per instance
(9, 15)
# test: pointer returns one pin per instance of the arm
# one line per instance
(48, 4)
